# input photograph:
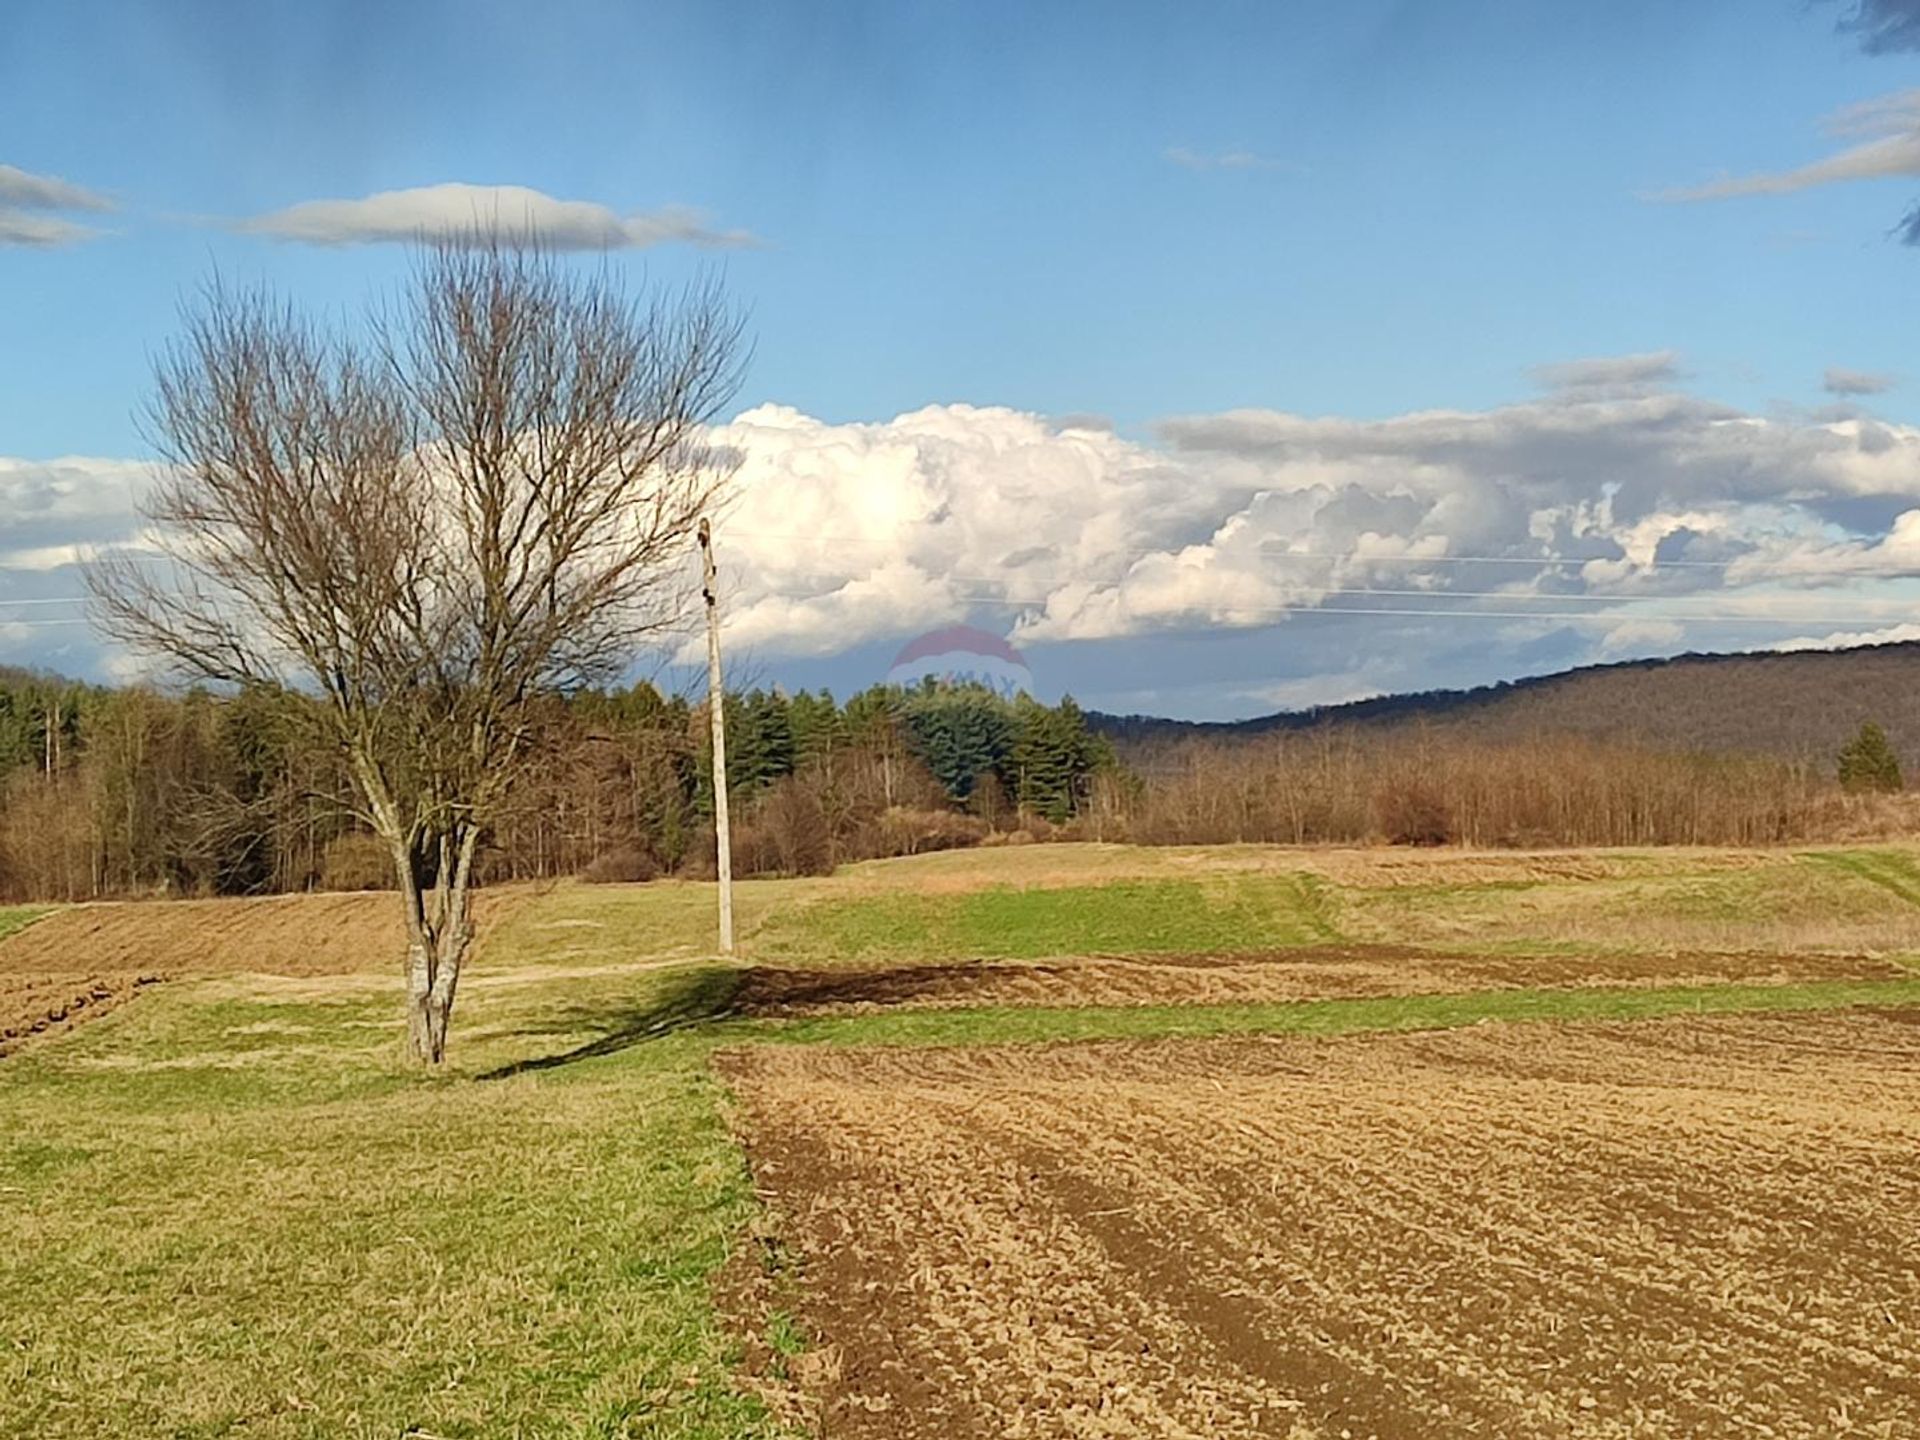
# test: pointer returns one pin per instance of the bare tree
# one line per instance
(485, 496)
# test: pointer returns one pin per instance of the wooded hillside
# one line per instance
(1798, 706)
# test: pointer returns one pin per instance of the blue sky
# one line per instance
(1134, 211)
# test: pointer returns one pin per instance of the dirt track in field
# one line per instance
(1307, 973)
(1694, 1227)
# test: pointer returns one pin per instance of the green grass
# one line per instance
(1894, 871)
(230, 1217)
(1012, 1025)
(1129, 917)
(18, 917)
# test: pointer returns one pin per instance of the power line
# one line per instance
(1584, 598)
(1431, 612)
(1355, 557)
(1896, 605)
(1628, 608)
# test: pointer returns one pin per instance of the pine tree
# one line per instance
(1053, 758)
(1868, 764)
(959, 732)
(816, 725)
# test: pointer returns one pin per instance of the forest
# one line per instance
(126, 791)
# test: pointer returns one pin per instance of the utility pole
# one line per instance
(717, 713)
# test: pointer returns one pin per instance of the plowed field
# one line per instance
(32, 1005)
(1700, 1227)
(1303, 973)
(273, 935)
(77, 963)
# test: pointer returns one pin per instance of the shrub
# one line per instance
(1411, 813)
(356, 861)
(916, 832)
(792, 829)
(627, 865)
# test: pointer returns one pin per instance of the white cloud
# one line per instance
(457, 211)
(50, 509)
(1841, 381)
(846, 533)
(52, 513)
(1615, 373)
(1582, 524)
(1311, 691)
(1636, 636)
(23, 194)
(1891, 125)
(1651, 517)
(40, 231)
(1851, 639)
(1189, 159)
(27, 191)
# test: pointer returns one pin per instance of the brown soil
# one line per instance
(1692, 1227)
(79, 962)
(271, 935)
(1309, 973)
(32, 1005)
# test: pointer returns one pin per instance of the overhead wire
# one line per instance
(1608, 608)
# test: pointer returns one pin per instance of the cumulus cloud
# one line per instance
(1189, 159)
(458, 211)
(1886, 135)
(1851, 639)
(847, 533)
(1841, 381)
(51, 510)
(52, 514)
(1637, 516)
(25, 196)
(1633, 637)
(1320, 556)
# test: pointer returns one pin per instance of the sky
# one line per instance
(1225, 357)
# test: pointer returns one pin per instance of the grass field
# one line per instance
(229, 1211)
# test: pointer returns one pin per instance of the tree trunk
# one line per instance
(435, 874)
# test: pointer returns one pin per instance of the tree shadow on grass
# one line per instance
(680, 1001)
(783, 992)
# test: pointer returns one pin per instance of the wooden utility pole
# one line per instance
(717, 712)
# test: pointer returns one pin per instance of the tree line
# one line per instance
(126, 791)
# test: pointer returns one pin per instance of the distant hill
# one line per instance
(1802, 704)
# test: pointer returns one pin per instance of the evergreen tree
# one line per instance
(817, 727)
(959, 732)
(1868, 764)
(1052, 759)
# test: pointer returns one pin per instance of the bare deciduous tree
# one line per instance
(485, 497)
